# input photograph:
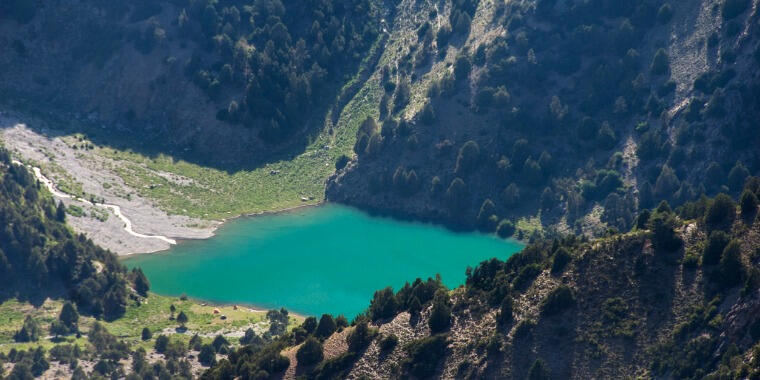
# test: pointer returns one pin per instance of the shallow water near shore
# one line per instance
(327, 259)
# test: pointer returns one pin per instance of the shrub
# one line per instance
(748, 203)
(309, 324)
(383, 304)
(207, 356)
(360, 338)
(730, 269)
(310, 352)
(505, 229)
(526, 276)
(721, 212)
(388, 343)
(162, 342)
(341, 162)
(737, 176)
(467, 160)
(561, 259)
(713, 250)
(30, 331)
(440, 315)
(559, 300)
(182, 318)
(69, 317)
(425, 354)
(456, 194)
(326, 326)
(660, 63)
(146, 334)
(662, 224)
(505, 311)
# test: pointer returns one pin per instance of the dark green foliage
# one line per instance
(457, 194)
(220, 343)
(737, 176)
(561, 259)
(142, 285)
(341, 322)
(662, 223)
(505, 311)
(388, 342)
(748, 203)
(730, 268)
(667, 183)
(440, 314)
(309, 324)
(162, 342)
(41, 254)
(310, 352)
(40, 363)
(182, 318)
(660, 63)
(526, 276)
(714, 247)
(383, 304)
(467, 159)
(605, 182)
(207, 356)
(326, 326)
(146, 334)
(559, 300)
(341, 162)
(721, 212)
(425, 354)
(505, 229)
(296, 51)
(360, 337)
(65, 353)
(487, 218)
(511, 195)
(29, 332)
(22, 371)
(335, 368)
(538, 371)
(69, 317)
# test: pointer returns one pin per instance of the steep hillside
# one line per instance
(40, 257)
(221, 82)
(578, 112)
(676, 297)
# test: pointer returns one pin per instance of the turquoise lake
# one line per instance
(327, 259)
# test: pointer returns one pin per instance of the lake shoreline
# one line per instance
(318, 260)
(221, 223)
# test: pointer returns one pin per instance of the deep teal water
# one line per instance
(327, 259)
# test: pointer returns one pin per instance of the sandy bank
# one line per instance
(118, 219)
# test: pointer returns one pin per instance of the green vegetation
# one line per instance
(91, 276)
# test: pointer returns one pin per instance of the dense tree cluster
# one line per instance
(38, 252)
(273, 59)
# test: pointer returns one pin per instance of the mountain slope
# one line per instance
(677, 297)
(578, 112)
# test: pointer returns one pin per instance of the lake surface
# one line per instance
(327, 259)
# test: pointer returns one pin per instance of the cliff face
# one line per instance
(581, 113)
